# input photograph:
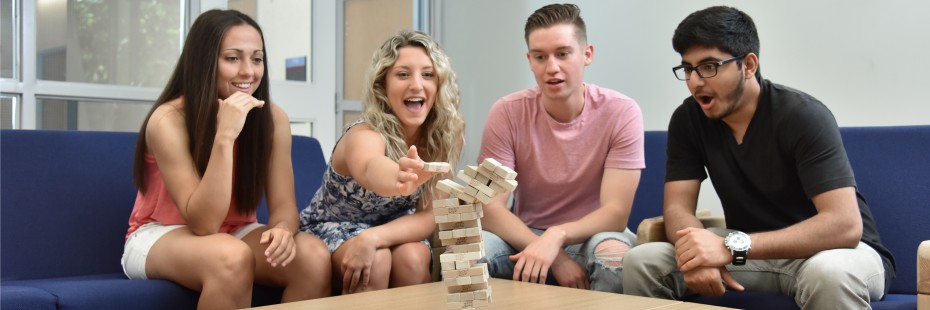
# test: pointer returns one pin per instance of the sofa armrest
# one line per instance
(923, 276)
(653, 229)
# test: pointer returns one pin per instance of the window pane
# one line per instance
(63, 114)
(112, 42)
(8, 107)
(287, 39)
(8, 27)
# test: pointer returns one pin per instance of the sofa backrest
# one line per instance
(309, 166)
(892, 169)
(649, 195)
(66, 196)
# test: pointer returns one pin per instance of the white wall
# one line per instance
(863, 59)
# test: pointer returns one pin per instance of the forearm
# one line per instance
(678, 219)
(381, 176)
(406, 229)
(209, 203)
(284, 220)
(802, 240)
(506, 225)
(601, 220)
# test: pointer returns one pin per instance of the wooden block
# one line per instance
(440, 219)
(923, 268)
(445, 235)
(483, 198)
(465, 197)
(437, 166)
(482, 188)
(446, 266)
(471, 171)
(445, 203)
(488, 173)
(505, 172)
(463, 264)
(465, 248)
(446, 186)
(458, 225)
(507, 185)
(473, 231)
(490, 164)
(466, 288)
(451, 241)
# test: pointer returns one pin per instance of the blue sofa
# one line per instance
(65, 199)
(892, 169)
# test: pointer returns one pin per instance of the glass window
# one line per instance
(8, 27)
(64, 114)
(288, 39)
(111, 42)
(8, 112)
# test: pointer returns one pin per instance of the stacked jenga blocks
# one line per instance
(459, 221)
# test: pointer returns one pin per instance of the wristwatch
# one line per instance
(739, 244)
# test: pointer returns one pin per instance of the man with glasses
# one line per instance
(796, 225)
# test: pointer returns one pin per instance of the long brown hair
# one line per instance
(194, 80)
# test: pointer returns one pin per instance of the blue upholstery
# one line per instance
(24, 297)
(892, 169)
(66, 197)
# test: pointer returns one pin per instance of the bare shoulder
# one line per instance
(167, 123)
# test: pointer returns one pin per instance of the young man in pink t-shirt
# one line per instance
(578, 152)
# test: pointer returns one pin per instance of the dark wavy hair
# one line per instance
(194, 80)
(726, 28)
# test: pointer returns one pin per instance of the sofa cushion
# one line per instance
(114, 291)
(23, 297)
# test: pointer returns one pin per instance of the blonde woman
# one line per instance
(373, 209)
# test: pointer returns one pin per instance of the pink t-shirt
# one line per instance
(156, 205)
(560, 165)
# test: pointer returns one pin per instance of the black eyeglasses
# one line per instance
(705, 70)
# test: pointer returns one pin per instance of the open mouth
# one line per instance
(705, 101)
(414, 104)
(555, 82)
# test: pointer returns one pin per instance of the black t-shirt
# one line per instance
(792, 151)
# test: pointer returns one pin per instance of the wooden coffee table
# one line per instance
(506, 294)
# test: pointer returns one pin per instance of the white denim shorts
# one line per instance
(137, 247)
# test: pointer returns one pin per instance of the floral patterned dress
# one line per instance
(341, 209)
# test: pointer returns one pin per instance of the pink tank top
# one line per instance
(156, 205)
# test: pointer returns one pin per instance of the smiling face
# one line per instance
(411, 87)
(722, 95)
(241, 64)
(557, 60)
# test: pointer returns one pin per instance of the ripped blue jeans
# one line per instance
(602, 264)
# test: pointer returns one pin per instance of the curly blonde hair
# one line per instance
(443, 128)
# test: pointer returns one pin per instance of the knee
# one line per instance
(411, 259)
(645, 254)
(610, 252)
(312, 254)
(232, 260)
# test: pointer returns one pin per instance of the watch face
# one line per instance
(738, 241)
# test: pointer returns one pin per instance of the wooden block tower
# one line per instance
(459, 220)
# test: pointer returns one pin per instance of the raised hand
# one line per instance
(408, 175)
(232, 112)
